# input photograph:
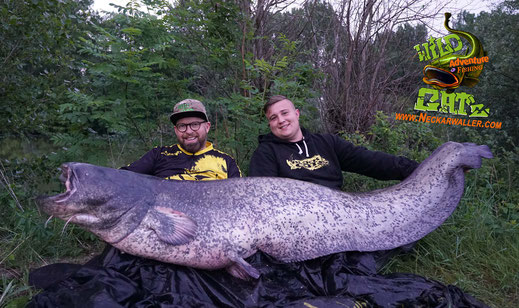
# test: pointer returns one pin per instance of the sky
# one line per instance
(104, 5)
(473, 6)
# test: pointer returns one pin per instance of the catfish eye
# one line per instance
(97, 201)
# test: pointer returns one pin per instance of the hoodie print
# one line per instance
(313, 163)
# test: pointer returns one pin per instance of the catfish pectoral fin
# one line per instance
(242, 270)
(173, 227)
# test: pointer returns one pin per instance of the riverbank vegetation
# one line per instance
(79, 86)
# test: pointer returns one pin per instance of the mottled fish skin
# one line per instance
(216, 224)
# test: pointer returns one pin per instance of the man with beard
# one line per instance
(193, 158)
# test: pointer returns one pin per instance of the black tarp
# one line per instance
(116, 279)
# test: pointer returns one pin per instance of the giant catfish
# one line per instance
(216, 224)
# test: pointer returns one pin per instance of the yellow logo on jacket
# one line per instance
(312, 163)
(208, 167)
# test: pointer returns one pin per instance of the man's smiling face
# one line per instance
(283, 120)
(192, 140)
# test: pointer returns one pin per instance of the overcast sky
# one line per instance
(104, 5)
(473, 6)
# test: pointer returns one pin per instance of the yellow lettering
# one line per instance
(456, 38)
(448, 100)
(462, 98)
(431, 105)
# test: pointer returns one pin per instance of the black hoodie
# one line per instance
(319, 158)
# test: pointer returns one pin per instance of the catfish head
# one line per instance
(94, 200)
(441, 76)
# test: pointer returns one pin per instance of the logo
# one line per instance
(438, 73)
(312, 163)
(447, 71)
(184, 107)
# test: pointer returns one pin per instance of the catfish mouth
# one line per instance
(440, 77)
(68, 178)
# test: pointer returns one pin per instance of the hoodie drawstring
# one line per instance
(306, 148)
(301, 150)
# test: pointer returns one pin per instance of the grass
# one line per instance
(14, 293)
(476, 249)
(31, 248)
(27, 241)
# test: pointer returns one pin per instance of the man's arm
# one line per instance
(263, 162)
(378, 165)
(233, 171)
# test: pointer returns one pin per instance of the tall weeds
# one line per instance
(477, 248)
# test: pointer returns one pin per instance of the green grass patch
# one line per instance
(476, 249)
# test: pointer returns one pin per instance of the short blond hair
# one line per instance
(272, 100)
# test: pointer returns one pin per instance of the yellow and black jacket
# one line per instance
(175, 163)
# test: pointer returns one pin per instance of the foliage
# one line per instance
(39, 63)
(476, 248)
(208, 43)
(497, 88)
(131, 68)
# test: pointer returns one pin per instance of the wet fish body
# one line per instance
(216, 224)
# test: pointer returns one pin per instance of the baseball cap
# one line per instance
(188, 108)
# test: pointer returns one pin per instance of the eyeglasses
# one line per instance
(193, 125)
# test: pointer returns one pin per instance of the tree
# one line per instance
(39, 60)
(362, 81)
(358, 48)
(208, 39)
(497, 88)
(133, 80)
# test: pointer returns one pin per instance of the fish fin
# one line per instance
(473, 154)
(242, 270)
(173, 227)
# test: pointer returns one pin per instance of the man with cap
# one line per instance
(193, 158)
